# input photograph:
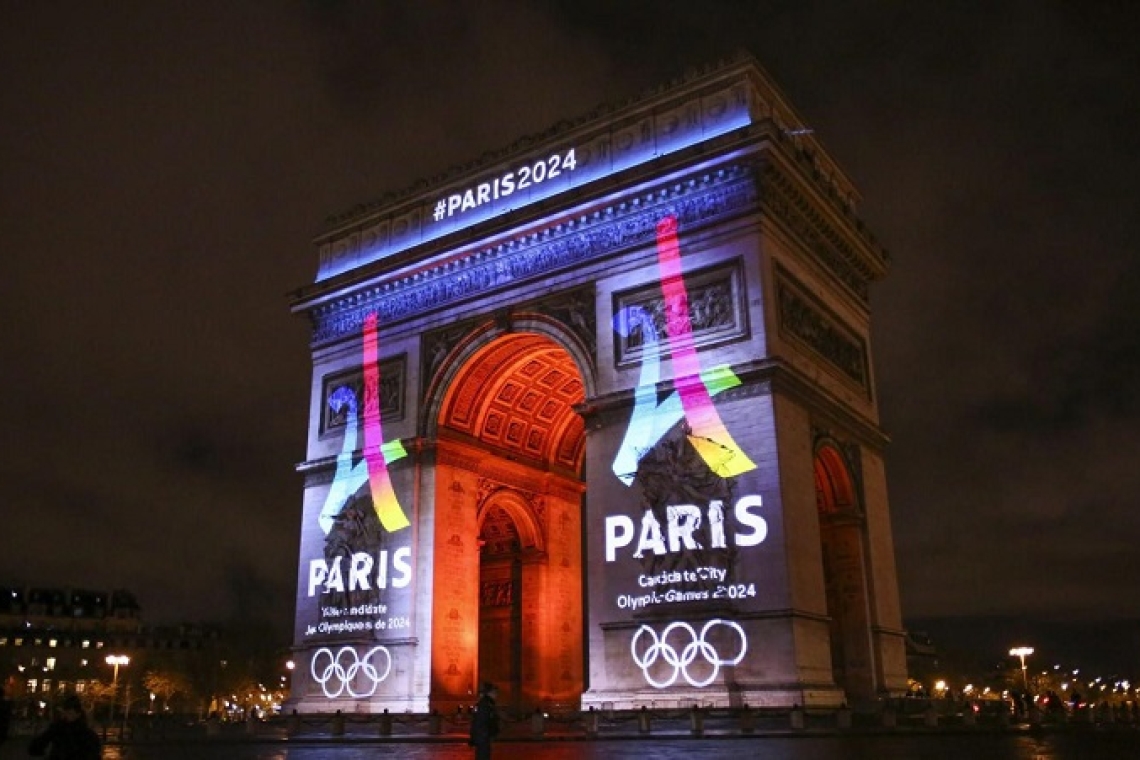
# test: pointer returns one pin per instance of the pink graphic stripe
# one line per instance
(709, 436)
(384, 501)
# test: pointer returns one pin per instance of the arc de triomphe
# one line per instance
(594, 418)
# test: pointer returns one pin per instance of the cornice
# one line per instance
(840, 243)
(773, 375)
(697, 200)
(826, 408)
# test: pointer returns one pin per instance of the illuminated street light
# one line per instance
(115, 660)
(1022, 652)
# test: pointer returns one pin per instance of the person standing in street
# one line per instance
(485, 722)
(68, 737)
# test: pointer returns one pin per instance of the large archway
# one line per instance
(508, 570)
(845, 578)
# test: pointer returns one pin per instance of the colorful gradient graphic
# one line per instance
(652, 420)
(709, 435)
(692, 400)
(373, 469)
(391, 516)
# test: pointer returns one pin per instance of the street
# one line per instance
(927, 746)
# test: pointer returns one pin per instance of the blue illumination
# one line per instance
(566, 167)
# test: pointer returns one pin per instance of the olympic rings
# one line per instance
(680, 661)
(347, 675)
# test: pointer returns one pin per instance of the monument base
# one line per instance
(767, 695)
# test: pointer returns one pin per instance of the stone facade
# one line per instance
(612, 441)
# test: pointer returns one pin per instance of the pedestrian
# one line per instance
(68, 737)
(485, 722)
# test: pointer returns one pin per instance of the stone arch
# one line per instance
(521, 512)
(458, 356)
(834, 490)
(847, 588)
(509, 453)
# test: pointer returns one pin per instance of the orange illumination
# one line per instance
(507, 541)
(833, 490)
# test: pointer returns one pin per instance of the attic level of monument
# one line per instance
(706, 112)
(597, 231)
(594, 418)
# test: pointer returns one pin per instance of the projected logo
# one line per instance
(373, 467)
(692, 399)
(362, 557)
(346, 672)
(680, 651)
(687, 538)
(700, 462)
(519, 179)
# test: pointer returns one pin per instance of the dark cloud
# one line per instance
(165, 167)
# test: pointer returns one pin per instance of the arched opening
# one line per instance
(507, 605)
(841, 534)
(500, 602)
(833, 491)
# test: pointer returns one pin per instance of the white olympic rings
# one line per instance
(680, 661)
(344, 676)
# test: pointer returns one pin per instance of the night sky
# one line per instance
(164, 167)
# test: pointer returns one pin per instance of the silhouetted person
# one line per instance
(68, 737)
(485, 722)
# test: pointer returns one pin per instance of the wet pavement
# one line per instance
(1011, 745)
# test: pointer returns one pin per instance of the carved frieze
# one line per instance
(496, 593)
(790, 206)
(630, 222)
(393, 373)
(807, 322)
(575, 310)
(716, 306)
(435, 346)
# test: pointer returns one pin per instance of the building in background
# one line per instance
(56, 641)
(594, 418)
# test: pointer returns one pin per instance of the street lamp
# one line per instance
(115, 660)
(1022, 652)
